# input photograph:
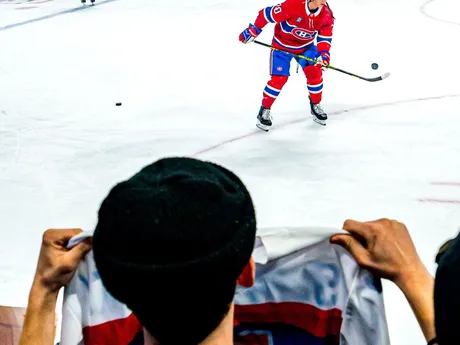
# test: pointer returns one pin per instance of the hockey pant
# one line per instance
(280, 64)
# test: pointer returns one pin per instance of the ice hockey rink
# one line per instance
(189, 87)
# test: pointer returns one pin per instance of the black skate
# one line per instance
(264, 119)
(319, 116)
(83, 2)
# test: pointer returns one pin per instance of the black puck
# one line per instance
(375, 66)
(117, 104)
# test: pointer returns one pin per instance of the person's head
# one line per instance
(172, 242)
(313, 4)
(447, 294)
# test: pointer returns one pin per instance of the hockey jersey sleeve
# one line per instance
(275, 14)
(324, 38)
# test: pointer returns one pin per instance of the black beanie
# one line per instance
(171, 242)
(447, 295)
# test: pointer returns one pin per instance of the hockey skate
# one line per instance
(319, 116)
(264, 119)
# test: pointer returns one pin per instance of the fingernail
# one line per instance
(335, 239)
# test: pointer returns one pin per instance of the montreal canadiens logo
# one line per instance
(303, 34)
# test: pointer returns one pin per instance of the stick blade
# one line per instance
(386, 75)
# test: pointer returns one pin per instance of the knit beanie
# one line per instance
(170, 243)
(447, 294)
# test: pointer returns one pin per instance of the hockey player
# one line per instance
(299, 25)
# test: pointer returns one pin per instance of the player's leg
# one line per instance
(279, 71)
(280, 64)
(314, 75)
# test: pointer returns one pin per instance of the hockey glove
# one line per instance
(249, 34)
(323, 59)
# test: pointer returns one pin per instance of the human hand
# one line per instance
(323, 60)
(249, 34)
(384, 247)
(57, 264)
(56, 267)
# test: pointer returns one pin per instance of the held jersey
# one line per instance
(307, 291)
(297, 26)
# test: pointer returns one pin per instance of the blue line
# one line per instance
(72, 10)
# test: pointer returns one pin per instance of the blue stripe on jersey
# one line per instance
(286, 27)
(315, 88)
(324, 39)
(268, 14)
(271, 92)
(83, 280)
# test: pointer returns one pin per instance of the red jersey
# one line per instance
(297, 26)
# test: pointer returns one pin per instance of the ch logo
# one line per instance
(303, 34)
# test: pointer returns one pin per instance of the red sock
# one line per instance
(314, 76)
(273, 89)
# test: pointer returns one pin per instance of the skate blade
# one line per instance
(321, 122)
(262, 127)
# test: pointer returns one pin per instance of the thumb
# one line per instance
(355, 248)
(81, 249)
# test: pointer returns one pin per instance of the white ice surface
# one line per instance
(188, 85)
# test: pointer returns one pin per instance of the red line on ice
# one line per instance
(307, 118)
(24, 3)
(446, 183)
(441, 201)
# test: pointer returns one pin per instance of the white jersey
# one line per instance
(307, 291)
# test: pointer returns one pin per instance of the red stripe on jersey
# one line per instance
(115, 332)
(318, 322)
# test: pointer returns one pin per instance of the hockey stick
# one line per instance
(386, 75)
